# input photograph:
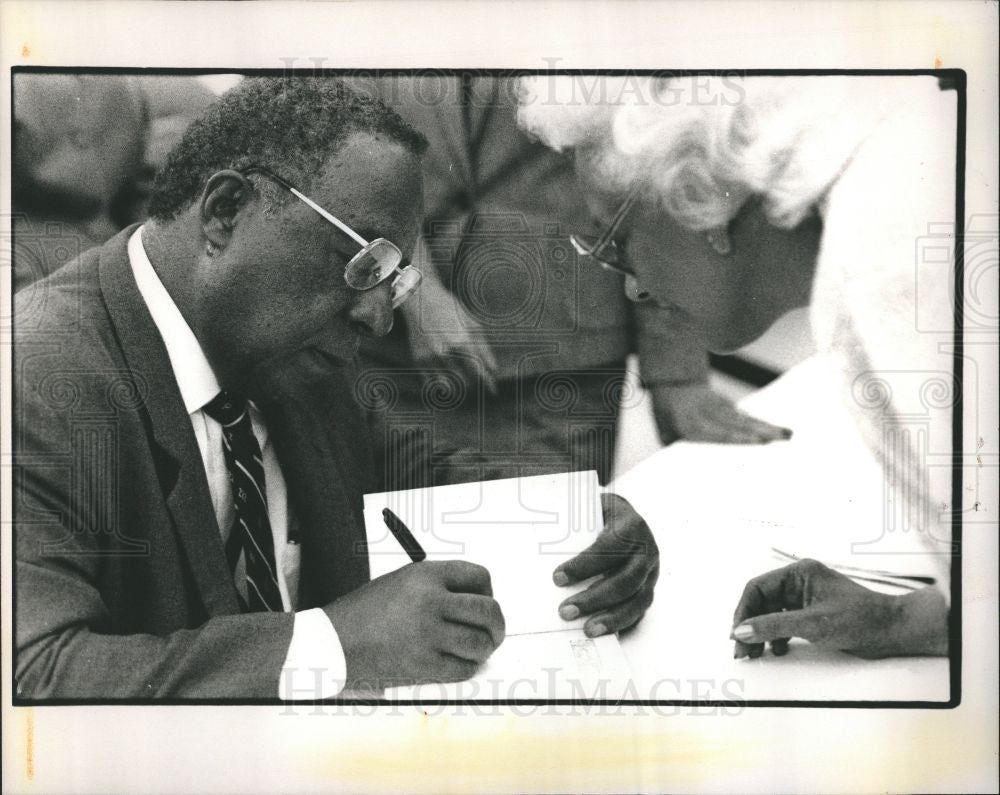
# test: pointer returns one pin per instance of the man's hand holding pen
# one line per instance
(437, 621)
(425, 622)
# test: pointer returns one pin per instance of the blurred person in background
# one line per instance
(86, 148)
(172, 103)
(734, 201)
(79, 143)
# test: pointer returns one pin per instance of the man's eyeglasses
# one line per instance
(374, 263)
(606, 252)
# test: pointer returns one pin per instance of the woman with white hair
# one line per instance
(731, 201)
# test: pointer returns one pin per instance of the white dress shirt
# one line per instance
(315, 646)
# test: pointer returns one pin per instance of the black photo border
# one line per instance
(951, 78)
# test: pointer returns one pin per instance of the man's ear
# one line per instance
(225, 193)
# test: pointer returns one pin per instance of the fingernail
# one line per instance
(560, 578)
(743, 632)
(569, 612)
(596, 629)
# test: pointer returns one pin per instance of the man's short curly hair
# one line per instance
(290, 125)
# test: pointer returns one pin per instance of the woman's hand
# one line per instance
(812, 601)
(626, 554)
(696, 413)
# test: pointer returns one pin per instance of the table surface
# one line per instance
(717, 511)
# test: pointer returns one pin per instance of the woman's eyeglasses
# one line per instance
(377, 260)
(606, 252)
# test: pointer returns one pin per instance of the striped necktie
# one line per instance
(250, 535)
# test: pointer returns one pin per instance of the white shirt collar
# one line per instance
(192, 371)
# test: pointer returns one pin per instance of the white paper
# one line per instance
(520, 529)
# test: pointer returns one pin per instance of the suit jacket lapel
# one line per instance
(323, 448)
(188, 498)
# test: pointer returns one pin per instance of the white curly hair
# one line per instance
(704, 145)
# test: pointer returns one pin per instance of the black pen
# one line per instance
(403, 536)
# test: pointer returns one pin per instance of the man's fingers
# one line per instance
(607, 591)
(622, 616)
(624, 537)
(654, 575)
(605, 553)
(454, 669)
(465, 642)
(460, 576)
(811, 623)
(476, 611)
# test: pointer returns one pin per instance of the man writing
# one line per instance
(189, 472)
(189, 455)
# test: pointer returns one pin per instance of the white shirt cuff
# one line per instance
(314, 666)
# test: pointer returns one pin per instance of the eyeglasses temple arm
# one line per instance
(624, 210)
(332, 219)
(292, 189)
(612, 229)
